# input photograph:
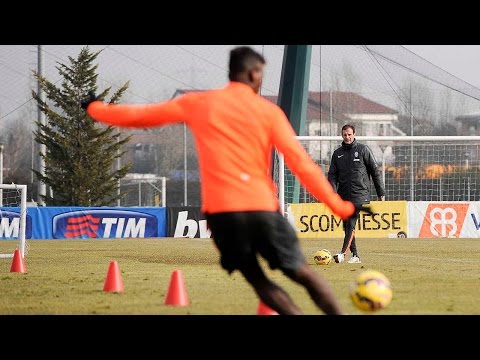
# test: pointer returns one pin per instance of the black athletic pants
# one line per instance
(349, 239)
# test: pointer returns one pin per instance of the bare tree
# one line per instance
(17, 140)
(345, 78)
(416, 100)
(352, 79)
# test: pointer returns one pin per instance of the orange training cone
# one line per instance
(177, 293)
(113, 281)
(265, 310)
(18, 265)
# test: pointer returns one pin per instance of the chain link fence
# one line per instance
(381, 89)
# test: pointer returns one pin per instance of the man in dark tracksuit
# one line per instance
(351, 166)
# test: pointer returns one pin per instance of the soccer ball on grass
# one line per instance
(322, 257)
(371, 291)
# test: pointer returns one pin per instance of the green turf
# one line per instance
(429, 276)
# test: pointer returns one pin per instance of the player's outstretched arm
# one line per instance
(138, 115)
(309, 173)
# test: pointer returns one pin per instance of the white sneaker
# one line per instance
(354, 260)
(339, 258)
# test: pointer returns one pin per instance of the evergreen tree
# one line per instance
(80, 153)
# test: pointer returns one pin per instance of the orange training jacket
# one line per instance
(235, 131)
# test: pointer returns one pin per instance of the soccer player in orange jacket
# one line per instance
(235, 130)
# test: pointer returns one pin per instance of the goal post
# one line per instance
(143, 190)
(413, 168)
(13, 219)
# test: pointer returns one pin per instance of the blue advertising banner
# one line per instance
(10, 223)
(84, 222)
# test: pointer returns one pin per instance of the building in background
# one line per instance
(328, 111)
(162, 151)
(469, 124)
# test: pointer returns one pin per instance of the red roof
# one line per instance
(343, 103)
(313, 110)
(349, 103)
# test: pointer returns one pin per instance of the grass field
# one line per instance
(429, 276)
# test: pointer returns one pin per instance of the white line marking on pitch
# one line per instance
(431, 258)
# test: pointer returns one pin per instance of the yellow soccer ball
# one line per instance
(322, 257)
(371, 291)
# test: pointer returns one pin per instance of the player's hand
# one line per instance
(365, 208)
(358, 208)
(89, 99)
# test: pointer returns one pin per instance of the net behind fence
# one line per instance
(381, 89)
(412, 168)
(13, 212)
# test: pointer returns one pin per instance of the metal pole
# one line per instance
(1, 173)
(33, 159)
(383, 167)
(440, 186)
(164, 191)
(281, 182)
(140, 192)
(331, 118)
(320, 78)
(468, 188)
(412, 182)
(185, 164)
(23, 218)
(119, 166)
(42, 189)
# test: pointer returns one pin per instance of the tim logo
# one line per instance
(10, 225)
(88, 224)
(443, 220)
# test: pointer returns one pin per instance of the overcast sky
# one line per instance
(462, 61)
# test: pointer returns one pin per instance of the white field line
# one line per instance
(466, 261)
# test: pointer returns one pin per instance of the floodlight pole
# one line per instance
(1, 173)
(42, 189)
(412, 178)
(185, 182)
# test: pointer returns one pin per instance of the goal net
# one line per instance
(413, 168)
(13, 219)
(143, 190)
